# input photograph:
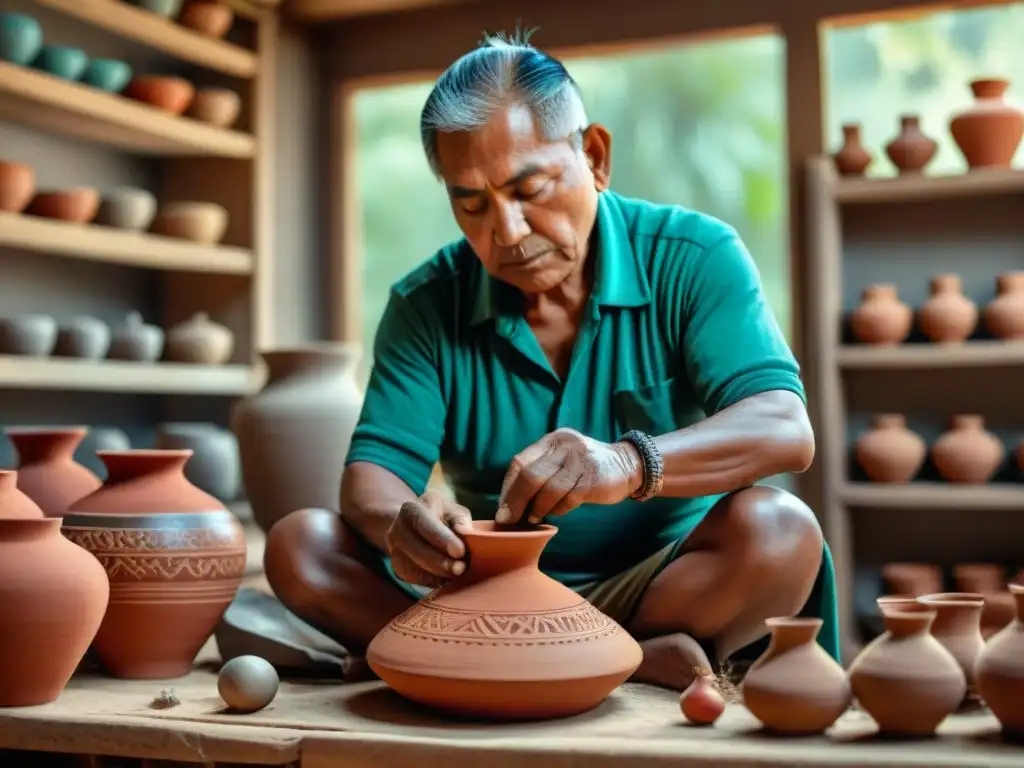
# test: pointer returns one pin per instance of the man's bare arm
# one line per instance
(371, 498)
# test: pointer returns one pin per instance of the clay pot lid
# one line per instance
(15, 505)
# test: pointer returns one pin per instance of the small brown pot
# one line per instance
(17, 185)
(852, 159)
(76, 205)
(1004, 316)
(948, 317)
(989, 131)
(889, 452)
(207, 17)
(217, 106)
(911, 150)
(881, 319)
(171, 94)
(967, 452)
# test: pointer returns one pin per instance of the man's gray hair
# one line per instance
(502, 71)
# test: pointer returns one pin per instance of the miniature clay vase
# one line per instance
(881, 319)
(17, 186)
(504, 641)
(174, 555)
(1004, 316)
(988, 131)
(947, 317)
(911, 150)
(889, 452)
(53, 596)
(912, 579)
(967, 452)
(199, 340)
(47, 471)
(1000, 670)
(136, 341)
(905, 679)
(957, 626)
(795, 687)
(852, 159)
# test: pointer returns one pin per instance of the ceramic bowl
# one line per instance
(167, 8)
(30, 335)
(77, 205)
(127, 208)
(107, 75)
(64, 61)
(171, 94)
(208, 17)
(21, 38)
(203, 223)
(17, 185)
(86, 338)
(216, 106)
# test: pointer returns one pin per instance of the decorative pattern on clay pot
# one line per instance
(201, 341)
(53, 596)
(967, 453)
(1004, 316)
(795, 686)
(947, 317)
(881, 319)
(911, 150)
(957, 626)
(47, 470)
(174, 555)
(852, 159)
(503, 640)
(1000, 671)
(889, 452)
(988, 131)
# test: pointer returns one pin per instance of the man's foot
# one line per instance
(669, 661)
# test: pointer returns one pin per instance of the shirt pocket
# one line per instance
(651, 409)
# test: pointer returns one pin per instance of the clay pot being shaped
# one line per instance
(911, 150)
(127, 208)
(170, 94)
(852, 159)
(217, 106)
(203, 223)
(294, 434)
(174, 555)
(47, 471)
(1004, 316)
(78, 206)
(215, 466)
(17, 186)
(28, 335)
(947, 317)
(889, 452)
(504, 641)
(83, 337)
(1000, 670)
(136, 341)
(881, 319)
(967, 453)
(199, 340)
(53, 596)
(912, 579)
(905, 679)
(208, 17)
(957, 626)
(989, 131)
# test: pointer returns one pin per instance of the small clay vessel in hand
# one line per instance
(967, 452)
(911, 150)
(948, 317)
(852, 159)
(881, 319)
(201, 341)
(1004, 316)
(1000, 671)
(957, 626)
(889, 452)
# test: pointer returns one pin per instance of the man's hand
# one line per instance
(422, 542)
(564, 470)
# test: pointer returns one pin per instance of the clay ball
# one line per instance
(247, 683)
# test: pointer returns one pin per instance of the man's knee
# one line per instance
(295, 547)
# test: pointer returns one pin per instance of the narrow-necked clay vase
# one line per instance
(852, 159)
(174, 555)
(53, 596)
(889, 452)
(947, 317)
(503, 640)
(881, 319)
(912, 579)
(1000, 670)
(967, 452)
(795, 686)
(957, 626)
(905, 679)
(47, 470)
(1004, 316)
(988, 131)
(199, 340)
(911, 150)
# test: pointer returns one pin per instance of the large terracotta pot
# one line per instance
(958, 627)
(294, 434)
(967, 452)
(889, 452)
(988, 131)
(53, 596)
(503, 640)
(1000, 670)
(47, 470)
(175, 557)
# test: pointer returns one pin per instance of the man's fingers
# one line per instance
(527, 482)
(549, 500)
(460, 520)
(426, 556)
(427, 525)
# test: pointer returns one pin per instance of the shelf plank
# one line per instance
(118, 376)
(160, 33)
(917, 187)
(319, 11)
(41, 101)
(924, 356)
(996, 496)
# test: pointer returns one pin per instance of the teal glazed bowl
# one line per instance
(62, 61)
(21, 38)
(107, 75)
(167, 8)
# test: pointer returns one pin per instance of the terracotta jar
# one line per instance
(881, 319)
(988, 131)
(958, 627)
(504, 641)
(53, 596)
(911, 150)
(17, 186)
(889, 452)
(967, 452)
(47, 470)
(852, 159)
(175, 557)
(1000, 671)
(795, 686)
(1004, 316)
(905, 679)
(947, 317)
(912, 579)
(294, 434)
(979, 577)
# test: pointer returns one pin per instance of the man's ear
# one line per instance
(597, 146)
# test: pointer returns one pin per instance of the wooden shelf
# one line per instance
(924, 356)
(51, 104)
(69, 374)
(160, 33)
(977, 183)
(318, 11)
(118, 246)
(933, 496)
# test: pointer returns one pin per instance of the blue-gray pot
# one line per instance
(21, 38)
(62, 61)
(107, 75)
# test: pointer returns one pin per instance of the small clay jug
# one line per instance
(988, 131)
(136, 341)
(912, 579)
(947, 317)
(795, 686)
(905, 679)
(199, 340)
(1004, 316)
(881, 319)
(1000, 671)
(47, 471)
(967, 452)
(911, 150)
(889, 452)
(957, 626)
(852, 159)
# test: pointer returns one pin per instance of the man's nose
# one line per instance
(510, 227)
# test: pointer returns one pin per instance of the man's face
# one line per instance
(525, 204)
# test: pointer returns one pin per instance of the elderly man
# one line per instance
(606, 365)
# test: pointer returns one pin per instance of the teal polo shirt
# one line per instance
(676, 329)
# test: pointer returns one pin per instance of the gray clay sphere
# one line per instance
(247, 683)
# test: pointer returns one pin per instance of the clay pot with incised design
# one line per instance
(947, 317)
(881, 319)
(47, 471)
(967, 452)
(1004, 316)
(957, 626)
(1000, 670)
(889, 452)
